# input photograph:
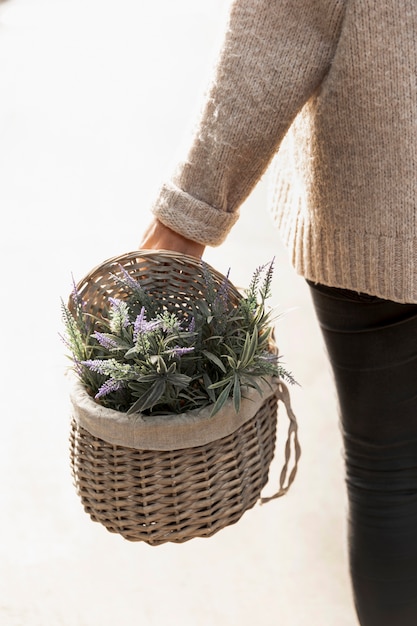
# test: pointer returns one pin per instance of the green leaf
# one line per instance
(147, 379)
(149, 399)
(237, 394)
(214, 359)
(250, 347)
(207, 384)
(221, 383)
(234, 364)
(171, 369)
(251, 382)
(221, 400)
(161, 367)
(130, 354)
(264, 337)
(180, 380)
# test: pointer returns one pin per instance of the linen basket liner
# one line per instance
(164, 432)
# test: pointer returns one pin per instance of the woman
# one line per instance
(331, 87)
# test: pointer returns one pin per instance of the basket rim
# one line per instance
(159, 258)
(165, 432)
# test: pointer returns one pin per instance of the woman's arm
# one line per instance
(274, 56)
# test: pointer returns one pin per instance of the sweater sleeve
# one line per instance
(274, 56)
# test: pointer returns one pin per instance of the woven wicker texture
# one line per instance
(174, 279)
(174, 495)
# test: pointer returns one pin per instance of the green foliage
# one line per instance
(145, 358)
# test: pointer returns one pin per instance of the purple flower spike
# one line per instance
(95, 365)
(78, 368)
(222, 295)
(130, 282)
(178, 351)
(105, 341)
(65, 341)
(139, 321)
(142, 326)
(108, 387)
(191, 327)
(76, 298)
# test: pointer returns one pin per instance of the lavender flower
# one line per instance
(191, 327)
(137, 328)
(78, 367)
(223, 293)
(142, 326)
(105, 341)
(108, 387)
(169, 322)
(96, 365)
(110, 367)
(65, 341)
(75, 295)
(119, 315)
(133, 284)
(179, 351)
(74, 333)
(271, 357)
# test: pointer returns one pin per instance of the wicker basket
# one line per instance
(163, 480)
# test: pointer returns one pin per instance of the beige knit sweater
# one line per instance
(332, 86)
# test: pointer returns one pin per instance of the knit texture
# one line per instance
(330, 88)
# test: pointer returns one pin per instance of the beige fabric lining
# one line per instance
(170, 432)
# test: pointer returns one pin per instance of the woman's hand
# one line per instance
(160, 237)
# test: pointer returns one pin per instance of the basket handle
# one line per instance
(292, 445)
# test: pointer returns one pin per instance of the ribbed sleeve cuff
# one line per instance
(191, 217)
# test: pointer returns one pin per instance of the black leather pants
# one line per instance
(372, 347)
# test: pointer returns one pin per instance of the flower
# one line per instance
(120, 316)
(142, 326)
(142, 356)
(109, 386)
(178, 351)
(129, 281)
(105, 340)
